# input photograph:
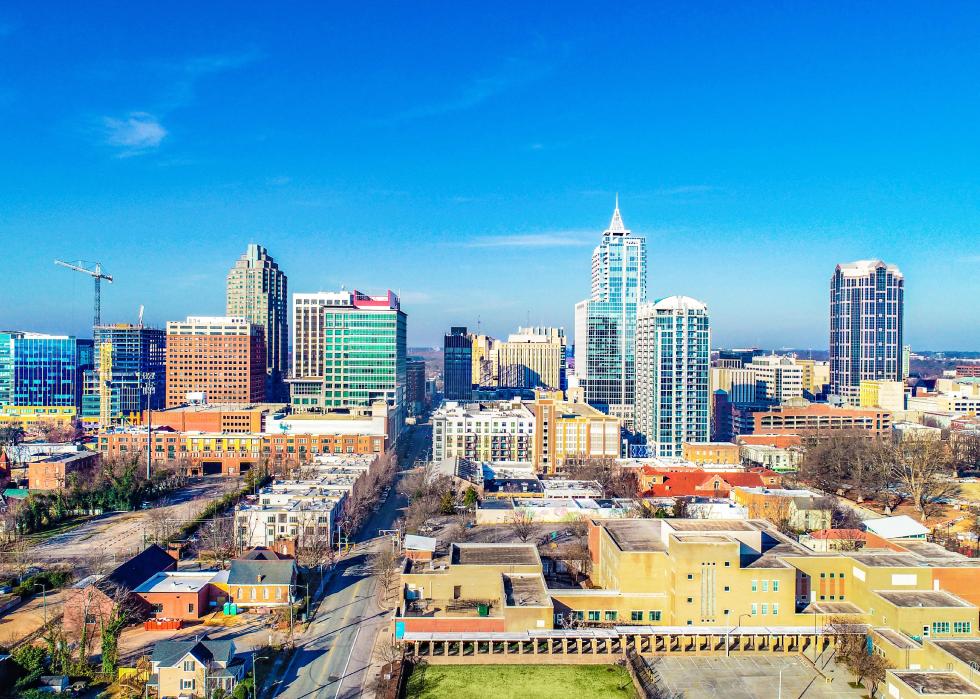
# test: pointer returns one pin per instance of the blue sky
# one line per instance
(468, 156)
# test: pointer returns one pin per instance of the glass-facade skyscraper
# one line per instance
(673, 350)
(457, 365)
(605, 324)
(349, 350)
(46, 370)
(134, 350)
(867, 301)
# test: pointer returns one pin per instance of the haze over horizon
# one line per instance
(470, 159)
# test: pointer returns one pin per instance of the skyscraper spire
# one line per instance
(616, 226)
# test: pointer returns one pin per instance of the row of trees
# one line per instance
(920, 471)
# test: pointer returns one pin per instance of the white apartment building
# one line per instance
(779, 459)
(777, 378)
(672, 373)
(501, 431)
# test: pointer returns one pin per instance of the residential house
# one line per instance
(93, 597)
(261, 583)
(194, 668)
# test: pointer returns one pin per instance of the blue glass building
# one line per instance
(47, 370)
(605, 324)
(135, 350)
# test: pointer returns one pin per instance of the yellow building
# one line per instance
(889, 395)
(711, 453)
(476, 588)
(564, 430)
(531, 358)
(30, 415)
(816, 375)
(484, 361)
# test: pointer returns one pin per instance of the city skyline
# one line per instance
(766, 160)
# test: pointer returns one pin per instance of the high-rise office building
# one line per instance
(484, 361)
(457, 364)
(222, 357)
(38, 370)
(134, 351)
(866, 326)
(256, 290)
(672, 374)
(349, 350)
(605, 324)
(531, 358)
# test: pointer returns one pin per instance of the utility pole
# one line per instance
(148, 390)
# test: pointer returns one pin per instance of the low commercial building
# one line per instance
(227, 418)
(879, 393)
(711, 453)
(257, 583)
(689, 482)
(820, 421)
(780, 460)
(370, 426)
(56, 471)
(178, 595)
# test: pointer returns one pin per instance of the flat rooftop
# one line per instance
(711, 525)
(704, 538)
(525, 591)
(897, 639)
(494, 554)
(225, 408)
(636, 534)
(177, 582)
(887, 560)
(921, 598)
(967, 650)
(936, 682)
(832, 608)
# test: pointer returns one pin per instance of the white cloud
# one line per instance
(134, 134)
(534, 240)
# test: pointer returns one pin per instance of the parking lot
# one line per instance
(748, 677)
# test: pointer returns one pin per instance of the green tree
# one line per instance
(470, 497)
(447, 505)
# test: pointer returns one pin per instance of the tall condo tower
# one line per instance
(256, 290)
(605, 324)
(673, 349)
(866, 326)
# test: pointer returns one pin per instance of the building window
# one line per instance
(593, 615)
(728, 588)
(755, 586)
(728, 564)
(187, 684)
(690, 600)
(940, 627)
(610, 616)
(775, 586)
(765, 586)
(775, 608)
(653, 616)
(638, 616)
(190, 607)
(962, 626)
(690, 576)
(755, 609)
(765, 609)
(188, 666)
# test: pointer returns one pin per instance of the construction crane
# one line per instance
(95, 273)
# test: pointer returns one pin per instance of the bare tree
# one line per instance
(383, 563)
(923, 469)
(522, 523)
(217, 541)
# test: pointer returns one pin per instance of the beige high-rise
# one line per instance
(256, 290)
(531, 358)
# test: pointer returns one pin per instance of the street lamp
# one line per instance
(148, 390)
(255, 674)
(728, 631)
(780, 695)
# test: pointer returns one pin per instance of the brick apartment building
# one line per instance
(221, 357)
(52, 471)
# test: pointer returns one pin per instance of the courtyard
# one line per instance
(519, 681)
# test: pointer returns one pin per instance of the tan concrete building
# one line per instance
(816, 375)
(711, 453)
(564, 430)
(222, 358)
(777, 379)
(531, 358)
(230, 418)
(889, 395)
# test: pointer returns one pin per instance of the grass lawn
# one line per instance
(519, 681)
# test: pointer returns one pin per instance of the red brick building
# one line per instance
(689, 482)
(222, 357)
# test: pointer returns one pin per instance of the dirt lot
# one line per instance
(115, 536)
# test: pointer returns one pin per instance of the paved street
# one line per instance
(333, 657)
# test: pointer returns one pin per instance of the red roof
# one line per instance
(780, 441)
(683, 482)
(839, 534)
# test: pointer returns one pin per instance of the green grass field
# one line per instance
(519, 682)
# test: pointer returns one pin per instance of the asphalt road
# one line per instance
(333, 657)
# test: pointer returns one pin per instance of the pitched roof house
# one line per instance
(194, 668)
(694, 481)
